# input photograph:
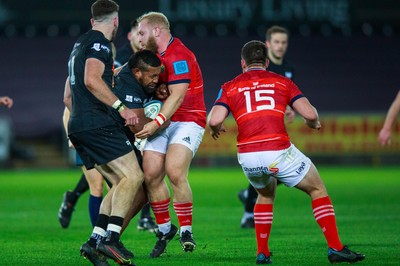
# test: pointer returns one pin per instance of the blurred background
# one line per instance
(346, 53)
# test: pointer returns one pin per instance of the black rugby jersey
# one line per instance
(286, 69)
(123, 55)
(131, 93)
(87, 111)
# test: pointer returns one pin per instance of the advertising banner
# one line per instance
(341, 134)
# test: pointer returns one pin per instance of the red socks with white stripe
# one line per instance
(325, 217)
(263, 222)
(161, 213)
(184, 213)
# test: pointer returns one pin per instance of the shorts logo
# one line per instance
(181, 67)
(187, 139)
(301, 168)
(274, 170)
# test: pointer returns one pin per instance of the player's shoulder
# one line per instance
(177, 50)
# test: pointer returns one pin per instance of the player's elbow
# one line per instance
(90, 83)
(214, 122)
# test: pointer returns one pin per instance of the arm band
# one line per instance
(160, 119)
(116, 104)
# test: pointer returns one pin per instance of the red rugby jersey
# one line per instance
(179, 65)
(258, 100)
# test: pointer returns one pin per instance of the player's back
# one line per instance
(258, 100)
(87, 111)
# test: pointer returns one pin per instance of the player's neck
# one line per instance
(274, 59)
(164, 42)
(254, 67)
(107, 31)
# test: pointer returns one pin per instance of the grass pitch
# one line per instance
(366, 200)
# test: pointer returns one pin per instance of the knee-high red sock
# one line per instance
(161, 211)
(263, 222)
(184, 213)
(325, 217)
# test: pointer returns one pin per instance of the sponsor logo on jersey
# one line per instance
(162, 68)
(104, 47)
(128, 143)
(181, 67)
(137, 100)
(128, 98)
(98, 47)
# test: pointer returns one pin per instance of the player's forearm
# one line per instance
(65, 120)
(101, 91)
(392, 114)
(67, 95)
(171, 104)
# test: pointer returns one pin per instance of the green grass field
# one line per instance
(366, 200)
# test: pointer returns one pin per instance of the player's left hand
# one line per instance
(289, 114)
(147, 131)
(130, 116)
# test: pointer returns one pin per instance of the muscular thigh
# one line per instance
(177, 161)
(126, 166)
(153, 166)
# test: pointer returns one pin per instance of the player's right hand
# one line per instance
(215, 134)
(130, 117)
(162, 91)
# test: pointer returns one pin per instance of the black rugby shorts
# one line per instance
(100, 146)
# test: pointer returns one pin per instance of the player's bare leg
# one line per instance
(177, 164)
(325, 216)
(159, 198)
(126, 177)
(95, 181)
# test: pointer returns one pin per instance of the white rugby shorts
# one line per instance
(188, 134)
(288, 166)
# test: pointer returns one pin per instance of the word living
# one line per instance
(256, 85)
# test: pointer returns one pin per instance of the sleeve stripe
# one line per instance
(295, 98)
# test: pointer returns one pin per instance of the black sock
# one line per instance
(251, 199)
(81, 187)
(102, 222)
(111, 235)
(145, 213)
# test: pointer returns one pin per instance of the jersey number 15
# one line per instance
(261, 100)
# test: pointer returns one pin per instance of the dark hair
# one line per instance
(143, 60)
(102, 8)
(275, 29)
(134, 23)
(254, 52)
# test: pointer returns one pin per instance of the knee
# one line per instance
(96, 189)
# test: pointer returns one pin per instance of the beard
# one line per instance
(114, 33)
(152, 45)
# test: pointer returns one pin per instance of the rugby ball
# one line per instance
(152, 108)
